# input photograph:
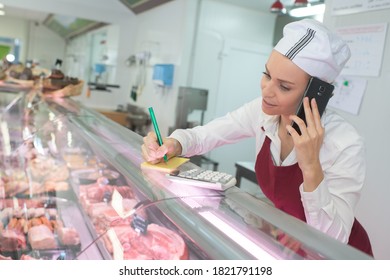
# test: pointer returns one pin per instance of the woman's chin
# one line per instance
(269, 110)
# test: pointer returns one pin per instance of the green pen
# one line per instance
(154, 121)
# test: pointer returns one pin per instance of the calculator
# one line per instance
(204, 178)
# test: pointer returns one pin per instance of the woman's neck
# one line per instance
(285, 139)
(283, 121)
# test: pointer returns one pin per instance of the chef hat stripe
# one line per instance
(304, 41)
(311, 46)
(297, 45)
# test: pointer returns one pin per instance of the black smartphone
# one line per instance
(321, 91)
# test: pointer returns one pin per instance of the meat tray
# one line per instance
(31, 183)
(108, 228)
(35, 230)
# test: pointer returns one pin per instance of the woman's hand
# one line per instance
(153, 153)
(308, 144)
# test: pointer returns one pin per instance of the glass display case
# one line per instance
(72, 188)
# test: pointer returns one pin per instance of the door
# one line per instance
(231, 70)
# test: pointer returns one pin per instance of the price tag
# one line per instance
(15, 202)
(106, 196)
(62, 256)
(139, 224)
(117, 248)
(117, 203)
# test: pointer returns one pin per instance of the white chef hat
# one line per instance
(313, 48)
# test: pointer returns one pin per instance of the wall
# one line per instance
(78, 55)
(230, 25)
(44, 45)
(116, 13)
(34, 39)
(232, 46)
(371, 122)
(91, 9)
(167, 37)
(18, 29)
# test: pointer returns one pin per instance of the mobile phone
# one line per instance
(321, 91)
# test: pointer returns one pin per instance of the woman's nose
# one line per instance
(267, 88)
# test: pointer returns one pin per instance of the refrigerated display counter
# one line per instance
(72, 188)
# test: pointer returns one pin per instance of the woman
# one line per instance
(316, 175)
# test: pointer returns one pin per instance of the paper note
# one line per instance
(348, 94)
(346, 7)
(169, 166)
(367, 43)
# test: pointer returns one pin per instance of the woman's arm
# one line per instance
(228, 129)
(330, 207)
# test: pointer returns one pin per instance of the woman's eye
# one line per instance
(281, 86)
(284, 88)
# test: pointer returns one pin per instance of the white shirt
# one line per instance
(330, 208)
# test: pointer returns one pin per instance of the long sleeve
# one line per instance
(232, 127)
(330, 208)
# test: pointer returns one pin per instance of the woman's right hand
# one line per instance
(153, 153)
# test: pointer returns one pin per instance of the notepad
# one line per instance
(171, 165)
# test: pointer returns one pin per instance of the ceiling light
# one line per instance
(1, 6)
(10, 57)
(2, 13)
(309, 10)
(278, 8)
(300, 3)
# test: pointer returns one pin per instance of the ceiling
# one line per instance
(98, 10)
(261, 5)
(26, 14)
(88, 8)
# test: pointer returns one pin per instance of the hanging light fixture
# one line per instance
(277, 7)
(300, 3)
(310, 9)
(300, 8)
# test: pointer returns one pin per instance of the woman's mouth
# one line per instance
(267, 104)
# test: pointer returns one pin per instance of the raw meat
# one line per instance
(11, 241)
(25, 257)
(3, 258)
(68, 236)
(159, 243)
(41, 237)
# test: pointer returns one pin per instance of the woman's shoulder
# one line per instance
(339, 131)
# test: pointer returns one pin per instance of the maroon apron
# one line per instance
(280, 184)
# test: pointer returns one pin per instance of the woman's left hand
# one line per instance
(308, 144)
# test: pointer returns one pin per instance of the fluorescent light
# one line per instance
(1, 6)
(238, 237)
(2, 13)
(310, 10)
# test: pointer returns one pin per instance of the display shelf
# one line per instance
(212, 224)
